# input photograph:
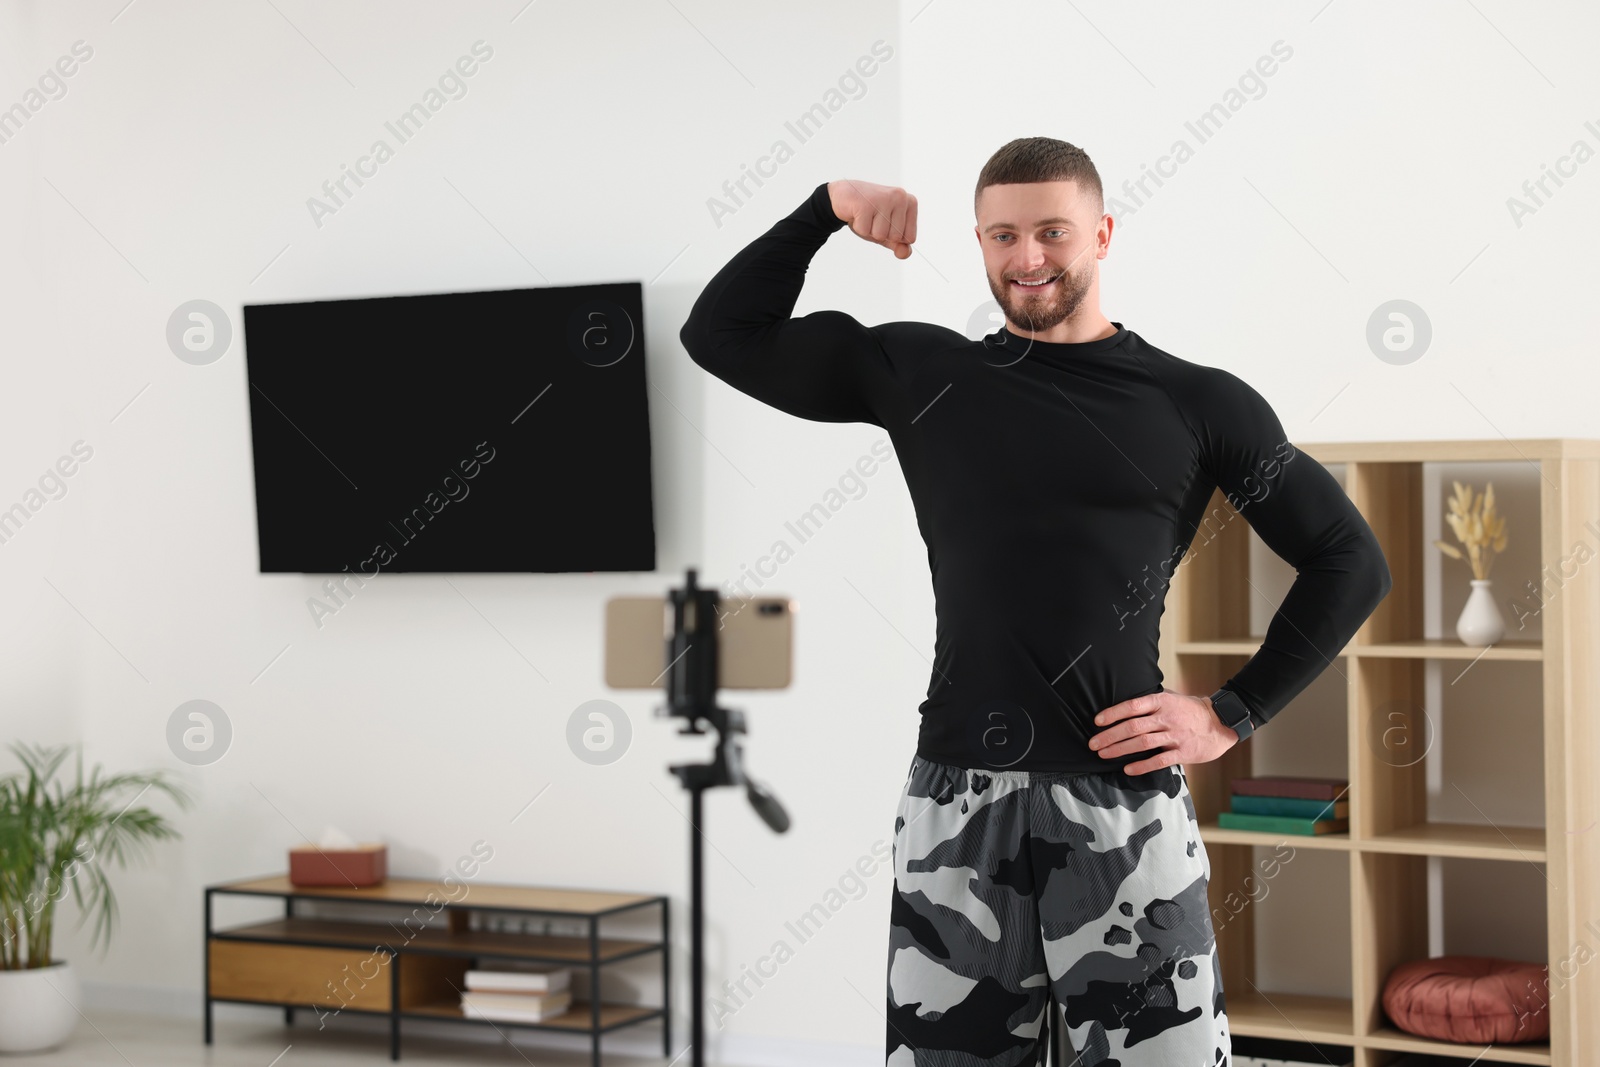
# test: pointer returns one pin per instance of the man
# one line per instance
(1045, 845)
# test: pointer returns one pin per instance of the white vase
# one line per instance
(1480, 622)
(38, 1007)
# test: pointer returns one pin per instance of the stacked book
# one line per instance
(528, 995)
(1288, 805)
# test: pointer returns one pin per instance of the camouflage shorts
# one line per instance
(1015, 890)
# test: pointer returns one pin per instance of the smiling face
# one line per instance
(1040, 242)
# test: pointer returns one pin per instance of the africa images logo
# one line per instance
(1000, 733)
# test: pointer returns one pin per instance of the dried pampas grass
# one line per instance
(1478, 527)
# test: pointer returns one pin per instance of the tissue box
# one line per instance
(358, 865)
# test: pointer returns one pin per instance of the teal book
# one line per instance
(1281, 824)
(1295, 807)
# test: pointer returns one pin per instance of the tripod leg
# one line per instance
(697, 991)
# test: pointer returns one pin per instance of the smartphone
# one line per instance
(755, 642)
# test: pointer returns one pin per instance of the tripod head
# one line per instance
(693, 667)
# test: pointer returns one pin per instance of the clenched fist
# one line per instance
(883, 214)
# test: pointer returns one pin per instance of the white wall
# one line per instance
(1376, 165)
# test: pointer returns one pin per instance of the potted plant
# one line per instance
(55, 836)
(1483, 533)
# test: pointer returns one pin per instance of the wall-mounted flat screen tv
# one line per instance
(497, 431)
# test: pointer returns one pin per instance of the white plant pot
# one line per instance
(38, 1007)
(1480, 623)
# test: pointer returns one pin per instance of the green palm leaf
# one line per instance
(58, 838)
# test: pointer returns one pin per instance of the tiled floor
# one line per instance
(105, 1039)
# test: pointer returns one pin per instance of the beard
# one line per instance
(1054, 305)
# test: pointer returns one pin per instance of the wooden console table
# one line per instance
(327, 963)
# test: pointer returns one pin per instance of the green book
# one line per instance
(1281, 824)
(1295, 807)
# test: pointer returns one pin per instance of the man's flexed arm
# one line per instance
(825, 366)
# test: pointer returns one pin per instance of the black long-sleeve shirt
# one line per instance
(1057, 486)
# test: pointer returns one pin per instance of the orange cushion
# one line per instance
(1472, 999)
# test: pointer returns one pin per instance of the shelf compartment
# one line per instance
(1265, 928)
(485, 944)
(576, 1017)
(1395, 735)
(1288, 1016)
(423, 979)
(1392, 929)
(1395, 498)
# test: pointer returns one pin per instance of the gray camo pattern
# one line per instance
(1013, 886)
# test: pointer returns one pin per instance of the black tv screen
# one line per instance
(502, 431)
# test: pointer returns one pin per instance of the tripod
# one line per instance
(691, 687)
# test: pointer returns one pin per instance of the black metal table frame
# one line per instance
(593, 965)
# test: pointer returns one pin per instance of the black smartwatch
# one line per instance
(1231, 710)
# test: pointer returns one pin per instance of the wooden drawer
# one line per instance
(336, 977)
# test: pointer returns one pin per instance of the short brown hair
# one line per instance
(1041, 159)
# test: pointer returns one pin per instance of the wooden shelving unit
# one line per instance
(408, 970)
(1391, 839)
